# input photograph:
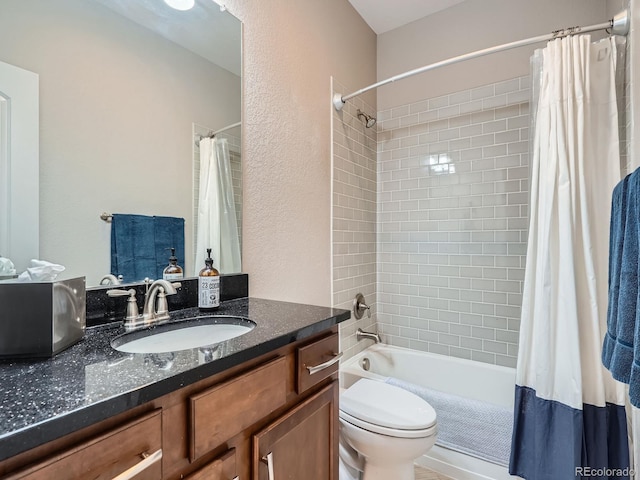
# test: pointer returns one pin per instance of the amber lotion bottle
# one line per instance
(208, 286)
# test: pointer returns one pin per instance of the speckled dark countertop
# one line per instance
(42, 400)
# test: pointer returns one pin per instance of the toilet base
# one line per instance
(348, 473)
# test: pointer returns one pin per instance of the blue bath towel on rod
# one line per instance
(621, 346)
(140, 243)
(618, 345)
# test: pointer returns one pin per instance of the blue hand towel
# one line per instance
(140, 243)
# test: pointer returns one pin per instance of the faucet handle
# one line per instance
(359, 306)
(162, 308)
(132, 303)
(119, 293)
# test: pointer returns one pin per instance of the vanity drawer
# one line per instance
(244, 400)
(222, 468)
(322, 354)
(109, 455)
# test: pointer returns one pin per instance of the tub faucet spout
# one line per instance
(360, 334)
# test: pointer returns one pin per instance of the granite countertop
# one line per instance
(41, 400)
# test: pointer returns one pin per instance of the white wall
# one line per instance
(466, 27)
(291, 48)
(112, 138)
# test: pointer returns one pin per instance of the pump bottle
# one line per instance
(208, 286)
(173, 271)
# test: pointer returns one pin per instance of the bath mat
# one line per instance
(477, 428)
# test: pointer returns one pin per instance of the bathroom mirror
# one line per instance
(124, 87)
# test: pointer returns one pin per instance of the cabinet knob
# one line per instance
(146, 462)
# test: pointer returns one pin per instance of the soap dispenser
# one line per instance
(208, 286)
(173, 271)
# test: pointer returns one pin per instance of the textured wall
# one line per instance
(291, 48)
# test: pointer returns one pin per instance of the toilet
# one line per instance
(383, 430)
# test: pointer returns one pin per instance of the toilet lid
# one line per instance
(386, 405)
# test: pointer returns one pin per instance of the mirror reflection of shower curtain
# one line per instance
(217, 223)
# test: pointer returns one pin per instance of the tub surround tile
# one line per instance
(469, 228)
(45, 399)
(354, 187)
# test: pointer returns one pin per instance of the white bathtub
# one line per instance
(466, 378)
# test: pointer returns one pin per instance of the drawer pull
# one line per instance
(146, 462)
(326, 364)
(268, 459)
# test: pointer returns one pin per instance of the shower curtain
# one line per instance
(217, 224)
(569, 414)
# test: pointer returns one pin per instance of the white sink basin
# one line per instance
(183, 335)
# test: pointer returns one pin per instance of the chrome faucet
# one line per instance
(158, 311)
(360, 334)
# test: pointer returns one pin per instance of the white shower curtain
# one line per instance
(569, 412)
(217, 224)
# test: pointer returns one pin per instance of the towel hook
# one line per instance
(107, 217)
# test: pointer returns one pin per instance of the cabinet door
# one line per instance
(303, 443)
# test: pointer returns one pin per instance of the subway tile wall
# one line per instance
(452, 216)
(353, 217)
(453, 192)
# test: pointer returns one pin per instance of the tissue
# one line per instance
(40, 271)
(7, 268)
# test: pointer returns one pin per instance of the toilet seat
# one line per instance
(389, 432)
(386, 409)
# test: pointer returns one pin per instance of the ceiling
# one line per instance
(385, 15)
(191, 29)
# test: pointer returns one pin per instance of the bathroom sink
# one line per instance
(184, 334)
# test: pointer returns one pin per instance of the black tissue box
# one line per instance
(41, 319)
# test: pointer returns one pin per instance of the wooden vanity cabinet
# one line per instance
(302, 443)
(108, 455)
(218, 428)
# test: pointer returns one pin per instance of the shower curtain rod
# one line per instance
(619, 25)
(228, 127)
(212, 134)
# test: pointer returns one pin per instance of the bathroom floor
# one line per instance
(424, 474)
